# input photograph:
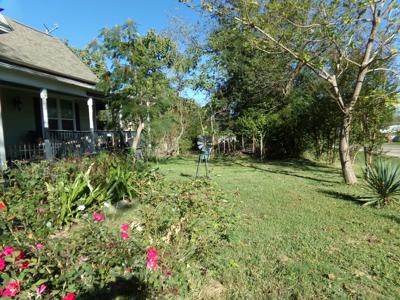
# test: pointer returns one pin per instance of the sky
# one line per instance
(81, 20)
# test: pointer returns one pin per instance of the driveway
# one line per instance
(391, 149)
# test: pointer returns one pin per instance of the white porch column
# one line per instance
(3, 159)
(48, 152)
(91, 121)
(121, 123)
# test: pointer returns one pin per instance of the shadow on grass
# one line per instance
(296, 166)
(391, 217)
(187, 175)
(342, 196)
(290, 173)
(132, 289)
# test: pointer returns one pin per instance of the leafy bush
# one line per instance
(70, 262)
(383, 180)
(172, 243)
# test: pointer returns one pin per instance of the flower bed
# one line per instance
(67, 241)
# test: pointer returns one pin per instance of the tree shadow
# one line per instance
(341, 196)
(132, 289)
(290, 173)
(186, 175)
(391, 217)
(304, 165)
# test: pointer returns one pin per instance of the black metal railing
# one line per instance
(65, 143)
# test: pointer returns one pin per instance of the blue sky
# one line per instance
(81, 20)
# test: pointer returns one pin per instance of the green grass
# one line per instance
(301, 233)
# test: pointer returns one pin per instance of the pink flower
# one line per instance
(2, 264)
(40, 290)
(70, 296)
(98, 217)
(12, 289)
(125, 227)
(152, 263)
(24, 265)
(124, 235)
(41, 210)
(2, 205)
(39, 246)
(151, 253)
(8, 251)
(152, 259)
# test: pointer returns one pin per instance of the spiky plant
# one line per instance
(383, 180)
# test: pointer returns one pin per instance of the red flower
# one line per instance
(98, 217)
(20, 256)
(151, 253)
(2, 205)
(40, 290)
(24, 265)
(70, 296)
(125, 227)
(124, 235)
(12, 289)
(169, 274)
(8, 251)
(152, 258)
(41, 210)
(2, 265)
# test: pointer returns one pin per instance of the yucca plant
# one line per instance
(383, 180)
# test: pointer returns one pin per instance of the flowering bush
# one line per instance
(167, 246)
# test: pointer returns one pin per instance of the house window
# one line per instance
(61, 114)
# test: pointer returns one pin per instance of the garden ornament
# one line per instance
(204, 144)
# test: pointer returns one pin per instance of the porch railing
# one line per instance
(72, 144)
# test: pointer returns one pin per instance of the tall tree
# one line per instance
(136, 79)
(324, 36)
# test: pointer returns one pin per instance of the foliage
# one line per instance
(73, 240)
(72, 197)
(383, 180)
(145, 78)
(338, 42)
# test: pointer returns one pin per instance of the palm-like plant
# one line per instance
(383, 180)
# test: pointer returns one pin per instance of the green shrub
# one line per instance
(187, 224)
(383, 180)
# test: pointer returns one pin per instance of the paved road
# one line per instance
(391, 149)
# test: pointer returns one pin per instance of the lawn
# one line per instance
(300, 232)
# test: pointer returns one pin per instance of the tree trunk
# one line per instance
(254, 144)
(243, 148)
(212, 120)
(136, 140)
(344, 150)
(261, 147)
(335, 134)
(181, 132)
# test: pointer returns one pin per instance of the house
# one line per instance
(48, 97)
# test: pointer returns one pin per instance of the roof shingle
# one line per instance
(37, 50)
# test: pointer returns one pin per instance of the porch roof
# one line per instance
(27, 47)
